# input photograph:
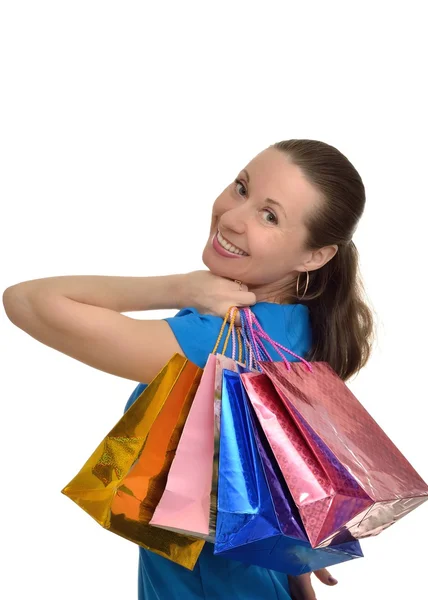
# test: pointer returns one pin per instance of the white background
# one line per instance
(120, 125)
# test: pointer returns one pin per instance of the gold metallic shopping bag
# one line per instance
(122, 482)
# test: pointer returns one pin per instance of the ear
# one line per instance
(319, 258)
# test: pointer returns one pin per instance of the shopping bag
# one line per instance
(122, 482)
(256, 524)
(222, 363)
(348, 479)
(189, 502)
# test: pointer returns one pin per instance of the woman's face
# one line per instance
(262, 215)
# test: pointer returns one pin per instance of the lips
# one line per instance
(231, 243)
(223, 240)
(222, 251)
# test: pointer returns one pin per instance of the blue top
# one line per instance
(215, 577)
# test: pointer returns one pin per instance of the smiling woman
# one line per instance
(293, 209)
(271, 232)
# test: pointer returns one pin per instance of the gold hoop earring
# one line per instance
(298, 283)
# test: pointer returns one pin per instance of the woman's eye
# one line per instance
(273, 218)
(239, 183)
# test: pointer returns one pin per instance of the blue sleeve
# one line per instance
(135, 394)
(197, 334)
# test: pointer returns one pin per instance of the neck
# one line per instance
(275, 294)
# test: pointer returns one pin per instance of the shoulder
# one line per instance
(288, 313)
(288, 324)
(196, 333)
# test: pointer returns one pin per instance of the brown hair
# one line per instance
(342, 322)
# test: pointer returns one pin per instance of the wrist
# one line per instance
(180, 290)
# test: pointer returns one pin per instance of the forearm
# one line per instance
(121, 294)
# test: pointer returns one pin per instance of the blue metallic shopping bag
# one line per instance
(257, 521)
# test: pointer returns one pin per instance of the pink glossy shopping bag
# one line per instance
(189, 502)
(347, 478)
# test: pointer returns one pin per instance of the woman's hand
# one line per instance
(301, 586)
(214, 295)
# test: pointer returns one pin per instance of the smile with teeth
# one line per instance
(229, 247)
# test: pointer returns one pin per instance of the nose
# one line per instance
(235, 220)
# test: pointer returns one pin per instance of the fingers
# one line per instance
(301, 587)
(324, 576)
(242, 287)
(247, 299)
(237, 318)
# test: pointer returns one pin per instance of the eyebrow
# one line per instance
(268, 200)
